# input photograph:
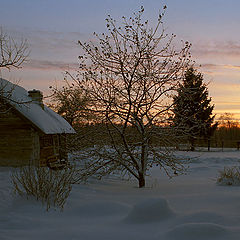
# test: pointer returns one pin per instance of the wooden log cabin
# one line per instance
(30, 132)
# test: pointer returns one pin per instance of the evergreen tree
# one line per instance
(192, 109)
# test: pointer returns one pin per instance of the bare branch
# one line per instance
(130, 77)
(12, 53)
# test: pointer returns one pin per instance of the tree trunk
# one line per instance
(141, 180)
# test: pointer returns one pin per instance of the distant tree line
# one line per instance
(228, 131)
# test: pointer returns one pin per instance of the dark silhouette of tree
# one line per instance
(192, 108)
(12, 55)
(130, 75)
(71, 103)
(227, 120)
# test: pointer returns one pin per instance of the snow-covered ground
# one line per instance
(188, 207)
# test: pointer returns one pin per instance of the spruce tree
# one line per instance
(192, 109)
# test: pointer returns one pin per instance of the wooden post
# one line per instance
(222, 145)
(238, 145)
(209, 144)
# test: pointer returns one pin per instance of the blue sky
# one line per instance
(52, 28)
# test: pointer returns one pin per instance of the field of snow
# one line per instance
(187, 207)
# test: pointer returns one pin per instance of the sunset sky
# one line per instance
(53, 27)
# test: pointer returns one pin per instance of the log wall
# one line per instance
(19, 142)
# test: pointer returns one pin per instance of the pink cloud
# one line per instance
(34, 64)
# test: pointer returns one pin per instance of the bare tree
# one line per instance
(12, 55)
(130, 75)
(227, 120)
(71, 103)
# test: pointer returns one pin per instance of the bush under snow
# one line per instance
(51, 187)
(229, 176)
(151, 210)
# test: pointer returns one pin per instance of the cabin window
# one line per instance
(50, 141)
(46, 141)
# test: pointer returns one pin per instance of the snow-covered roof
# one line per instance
(43, 118)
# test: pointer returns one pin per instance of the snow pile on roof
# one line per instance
(44, 118)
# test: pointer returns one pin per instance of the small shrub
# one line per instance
(229, 176)
(46, 185)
